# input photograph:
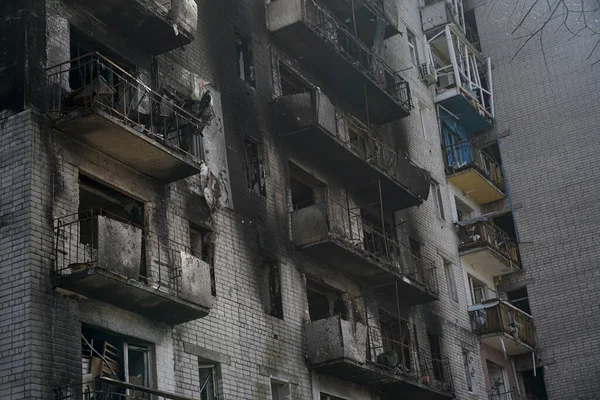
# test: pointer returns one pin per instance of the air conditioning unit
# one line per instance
(427, 73)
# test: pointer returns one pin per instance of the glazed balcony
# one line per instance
(310, 121)
(157, 26)
(343, 239)
(503, 326)
(107, 388)
(437, 14)
(474, 172)
(99, 103)
(464, 79)
(354, 352)
(326, 48)
(486, 246)
(105, 258)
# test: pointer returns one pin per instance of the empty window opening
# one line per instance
(450, 281)
(395, 336)
(306, 190)
(324, 302)
(436, 356)
(245, 62)
(520, 299)
(113, 356)
(463, 211)
(255, 169)
(272, 280)
(436, 193)
(534, 383)
(412, 47)
(208, 381)
(291, 82)
(202, 246)
(280, 390)
(478, 290)
(325, 396)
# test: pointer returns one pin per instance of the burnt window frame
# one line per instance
(207, 251)
(245, 56)
(273, 287)
(255, 166)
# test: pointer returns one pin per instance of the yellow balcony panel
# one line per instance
(476, 186)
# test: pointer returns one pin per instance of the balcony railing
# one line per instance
(108, 258)
(94, 82)
(500, 317)
(466, 155)
(111, 389)
(350, 227)
(347, 45)
(510, 394)
(486, 234)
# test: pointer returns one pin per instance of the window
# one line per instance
(450, 281)
(436, 193)
(469, 369)
(422, 115)
(291, 82)
(255, 169)
(274, 303)
(245, 63)
(412, 47)
(208, 382)
(306, 190)
(202, 246)
(463, 211)
(478, 290)
(520, 299)
(324, 302)
(280, 390)
(325, 396)
(436, 356)
(415, 255)
(395, 335)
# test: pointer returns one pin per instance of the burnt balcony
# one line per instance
(346, 241)
(99, 103)
(354, 352)
(310, 121)
(326, 48)
(437, 14)
(485, 245)
(107, 388)
(503, 326)
(157, 26)
(103, 257)
(474, 172)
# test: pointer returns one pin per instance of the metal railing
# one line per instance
(111, 389)
(482, 233)
(503, 317)
(352, 228)
(79, 246)
(94, 82)
(501, 393)
(357, 54)
(466, 155)
(405, 360)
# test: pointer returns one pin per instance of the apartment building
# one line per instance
(295, 199)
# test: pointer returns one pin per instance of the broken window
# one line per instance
(255, 169)
(245, 63)
(280, 390)
(109, 355)
(274, 303)
(436, 356)
(306, 190)
(324, 302)
(291, 83)
(395, 335)
(208, 382)
(202, 246)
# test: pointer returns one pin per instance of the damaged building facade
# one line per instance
(294, 199)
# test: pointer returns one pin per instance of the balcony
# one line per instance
(310, 121)
(107, 388)
(437, 14)
(157, 26)
(326, 48)
(501, 393)
(105, 258)
(485, 245)
(351, 351)
(502, 326)
(343, 239)
(474, 172)
(366, 13)
(99, 103)
(464, 79)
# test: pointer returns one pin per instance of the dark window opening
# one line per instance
(274, 303)
(436, 356)
(507, 224)
(415, 254)
(306, 190)
(325, 396)
(208, 381)
(520, 299)
(324, 302)
(291, 83)
(376, 237)
(245, 62)
(463, 212)
(395, 335)
(113, 356)
(534, 385)
(203, 247)
(255, 169)
(471, 29)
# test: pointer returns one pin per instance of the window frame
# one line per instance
(451, 280)
(438, 202)
(467, 356)
(281, 384)
(245, 58)
(255, 166)
(215, 388)
(411, 39)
